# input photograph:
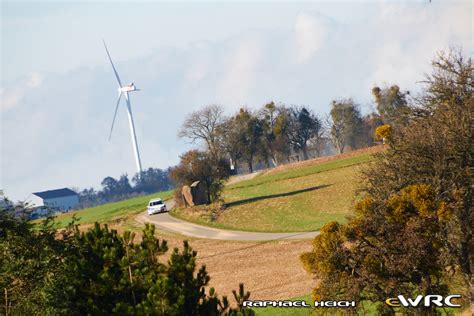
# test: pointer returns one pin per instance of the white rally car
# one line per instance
(156, 206)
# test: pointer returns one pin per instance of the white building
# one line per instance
(61, 200)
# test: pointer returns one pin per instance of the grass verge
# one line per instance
(111, 212)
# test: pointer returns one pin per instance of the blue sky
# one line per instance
(57, 91)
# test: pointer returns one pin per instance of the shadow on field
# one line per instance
(264, 197)
(258, 243)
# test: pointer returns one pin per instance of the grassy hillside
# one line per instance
(300, 197)
(111, 212)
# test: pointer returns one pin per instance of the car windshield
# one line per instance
(156, 203)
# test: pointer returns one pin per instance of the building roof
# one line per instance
(51, 194)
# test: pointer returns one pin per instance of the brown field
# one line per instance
(269, 270)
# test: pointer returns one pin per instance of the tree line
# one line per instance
(276, 133)
(148, 181)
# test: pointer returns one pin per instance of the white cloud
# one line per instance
(410, 35)
(34, 80)
(10, 98)
(240, 70)
(311, 32)
(13, 95)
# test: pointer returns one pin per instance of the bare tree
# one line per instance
(203, 125)
(336, 132)
(230, 136)
(345, 124)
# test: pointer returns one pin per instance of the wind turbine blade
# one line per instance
(115, 70)
(115, 114)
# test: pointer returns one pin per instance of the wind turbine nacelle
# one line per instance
(129, 88)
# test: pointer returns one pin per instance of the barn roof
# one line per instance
(51, 194)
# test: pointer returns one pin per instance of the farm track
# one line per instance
(168, 223)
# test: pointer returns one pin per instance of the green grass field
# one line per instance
(292, 200)
(299, 198)
(108, 213)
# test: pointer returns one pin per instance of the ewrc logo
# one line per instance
(428, 300)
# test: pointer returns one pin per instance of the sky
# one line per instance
(58, 91)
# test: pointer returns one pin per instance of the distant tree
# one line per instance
(267, 116)
(229, 133)
(346, 124)
(303, 125)
(370, 122)
(274, 142)
(282, 144)
(152, 180)
(203, 125)
(200, 166)
(123, 185)
(109, 187)
(391, 103)
(248, 137)
(88, 197)
(113, 189)
(250, 133)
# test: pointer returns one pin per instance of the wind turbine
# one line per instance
(124, 90)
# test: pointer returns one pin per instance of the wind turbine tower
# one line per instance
(124, 90)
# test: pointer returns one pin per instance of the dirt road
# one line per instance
(269, 269)
(166, 222)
